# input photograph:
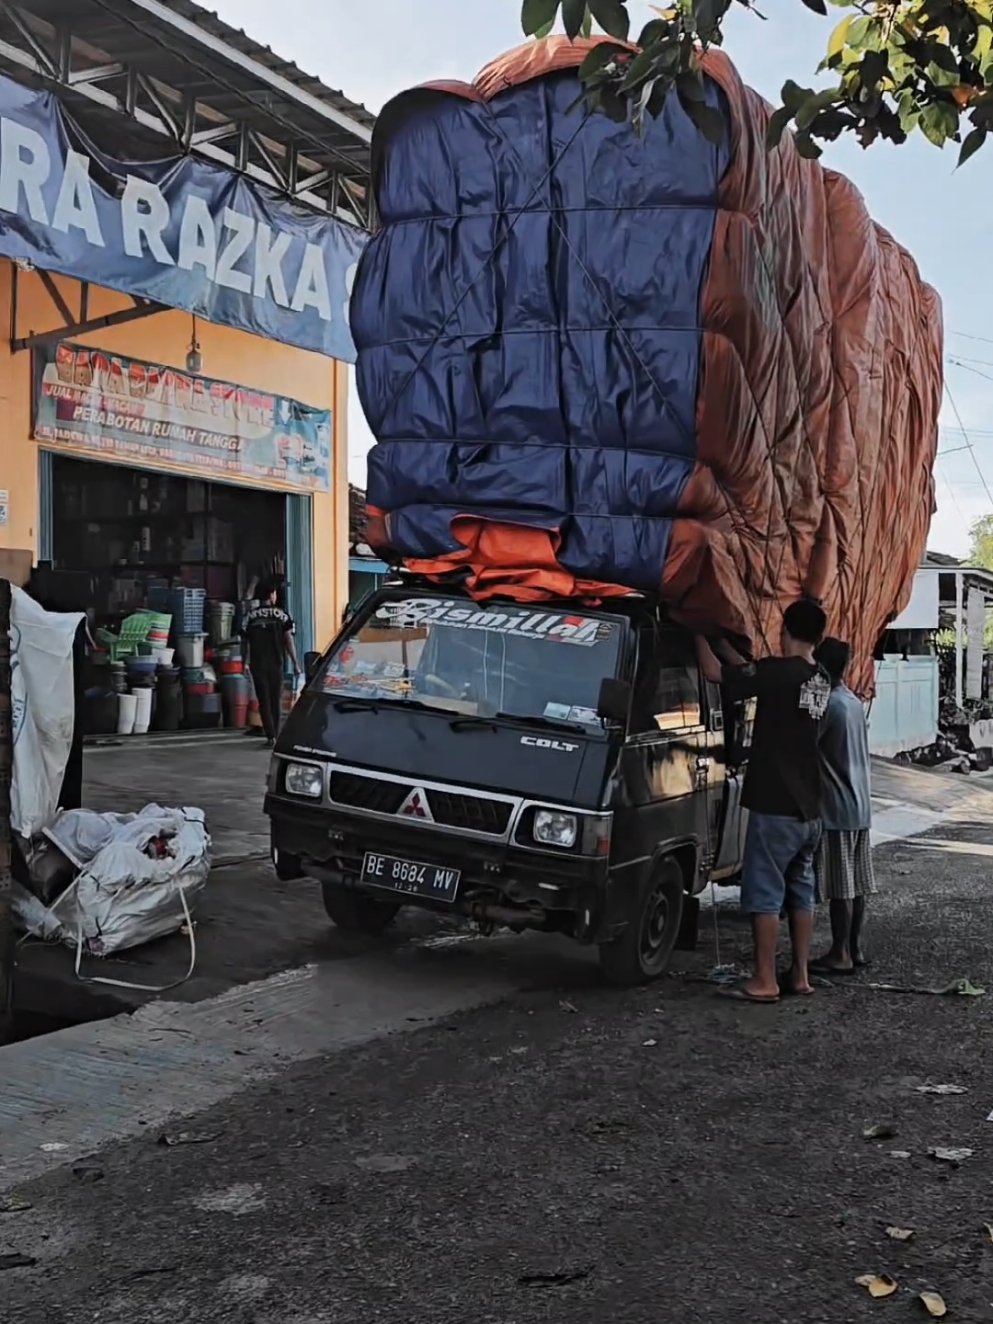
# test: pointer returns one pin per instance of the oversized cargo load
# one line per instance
(597, 363)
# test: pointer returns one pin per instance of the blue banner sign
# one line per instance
(130, 411)
(182, 231)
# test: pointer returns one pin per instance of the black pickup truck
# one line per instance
(560, 767)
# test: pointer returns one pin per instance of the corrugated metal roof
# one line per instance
(265, 55)
(192, 52)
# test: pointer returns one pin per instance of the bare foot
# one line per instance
(831, 964)
(749, 990)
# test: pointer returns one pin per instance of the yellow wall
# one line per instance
(229, 355)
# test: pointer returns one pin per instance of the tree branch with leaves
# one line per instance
(896, 66)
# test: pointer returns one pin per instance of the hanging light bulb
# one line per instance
(194, 359)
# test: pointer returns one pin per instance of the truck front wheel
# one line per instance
(355, 912)
(642, 951)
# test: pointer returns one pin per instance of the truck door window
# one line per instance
(668, 692)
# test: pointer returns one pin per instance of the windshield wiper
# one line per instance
(542, 723)
(469, 722)
(372, 705)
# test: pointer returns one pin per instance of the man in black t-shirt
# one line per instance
(269, 635)
(782, 794)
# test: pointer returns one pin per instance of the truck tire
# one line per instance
(355, 912)
(288, 868)
(642, 951)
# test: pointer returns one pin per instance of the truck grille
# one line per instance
(448, 808)
(379, 797)
(469, 811)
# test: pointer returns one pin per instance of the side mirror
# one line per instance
(311, 664)
(614, 702)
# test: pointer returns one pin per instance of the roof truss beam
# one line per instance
(61, 58)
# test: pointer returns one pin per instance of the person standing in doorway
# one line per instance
(844, 858)
(782, 794)
(269, 636)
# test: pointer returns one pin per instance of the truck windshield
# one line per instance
(478, 660)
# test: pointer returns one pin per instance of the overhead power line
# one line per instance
(968, 441)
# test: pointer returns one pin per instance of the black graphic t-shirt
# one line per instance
(266, 629)
(784, 769)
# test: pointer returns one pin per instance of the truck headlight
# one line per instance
(304, 779)
(554, 829)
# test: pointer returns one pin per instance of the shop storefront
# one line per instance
(174, 383)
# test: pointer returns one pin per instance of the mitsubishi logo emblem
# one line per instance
(416, 806)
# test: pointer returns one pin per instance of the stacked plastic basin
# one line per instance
(198, 694)
(235, 686)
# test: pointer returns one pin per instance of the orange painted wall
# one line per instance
(230, 355)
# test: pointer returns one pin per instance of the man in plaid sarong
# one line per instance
(843, 865)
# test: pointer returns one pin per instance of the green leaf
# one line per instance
(836, 41)
(707, 119)
(614, 107)
(909, 113)
(602, 54)
(806, 147)
(652, 32)
(794, 96)
(689, 85)
(587, 29)
(818, 6)
(942, 77)
(938, 122)
(860, 33)
(538, 14)
(873, 69)
(640, 67)
(612, 16)
(661, 87)
(573, 14)
(810, 109)
(545, 30)
(707, 16)
(777, 126)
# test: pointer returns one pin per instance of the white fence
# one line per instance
(904, 713)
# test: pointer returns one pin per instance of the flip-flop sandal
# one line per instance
(739, 993)
(831, 971)
(786, 990)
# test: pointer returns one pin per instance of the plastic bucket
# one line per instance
(143, 711)
(236, 710)
(189, 648)
(127, 705)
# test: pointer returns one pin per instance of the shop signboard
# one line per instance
(182, 231)
(114, 408)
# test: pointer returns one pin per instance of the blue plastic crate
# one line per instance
(187, 609)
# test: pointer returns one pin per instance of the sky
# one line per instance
(376, 48)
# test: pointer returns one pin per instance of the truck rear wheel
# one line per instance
(642, 951)
(355, 912)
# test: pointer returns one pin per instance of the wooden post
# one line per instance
(7, 945)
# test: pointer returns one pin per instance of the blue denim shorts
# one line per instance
(778, 868)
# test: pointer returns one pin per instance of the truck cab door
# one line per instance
(737, 720)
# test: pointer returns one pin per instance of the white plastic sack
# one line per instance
(43, 709)
(123, 897)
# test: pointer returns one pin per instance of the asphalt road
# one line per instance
(576, 1155)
